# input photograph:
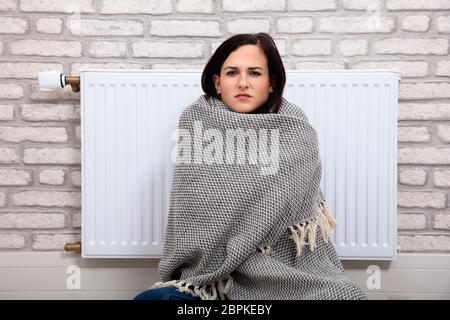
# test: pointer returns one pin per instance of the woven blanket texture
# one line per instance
(247, 219)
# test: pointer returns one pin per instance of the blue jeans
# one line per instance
(165, 293)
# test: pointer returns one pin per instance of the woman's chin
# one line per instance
(242, 108)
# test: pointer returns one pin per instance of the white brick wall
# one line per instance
(51, 156)
(415, 221)
(52, 177)
(12, 241)
(413, 134)
(312, 5)
(8, 155)
(442, 178)
(425, 155)
(33, 134)
(76, 67)
(415, 23)
(20, 70)
(252, 25)
(94, 27)
(46, 48)
(315, 47)
(443, 68)
(51, 112)
(356, 25)
(10, 91)
(76, 178)
(423, 91)
(354, 47)
(55, 6)
(40, 176)
(13, 177)
(412, 46)
(443, 24)
(192, 28)
(32, 220)
(418, 5)
(13, 25)
(2, 199)
(414, 177)
(63, 94)
(47, 198)
(49, 25)
(419, 199)
(251, 6)
(53, 241)
(424, 111)
(442, 221)
(195, 6)
(420, 243)
(8, 5)
(407, 69)
(320, 65)
(157, 7)
(295, 25)
(444, 133)
(362, 4)
(6, 112)
(108, 49)
(160, 49)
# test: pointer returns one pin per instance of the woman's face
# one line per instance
(244, 72)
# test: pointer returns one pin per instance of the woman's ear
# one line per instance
(272, 86)
(216, 80)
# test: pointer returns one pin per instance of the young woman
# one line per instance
(250, 224)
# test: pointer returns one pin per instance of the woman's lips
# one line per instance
(243, 97)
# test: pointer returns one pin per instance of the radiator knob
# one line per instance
(49, 80)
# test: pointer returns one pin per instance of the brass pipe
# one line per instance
(76, 247)
(74, 82)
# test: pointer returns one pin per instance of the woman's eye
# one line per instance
(255, 73)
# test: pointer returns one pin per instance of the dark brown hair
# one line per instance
(277, 74)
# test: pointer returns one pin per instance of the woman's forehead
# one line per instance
(247, 57)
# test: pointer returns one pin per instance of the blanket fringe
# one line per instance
(208, 292)
(267, 250)
(308, 230)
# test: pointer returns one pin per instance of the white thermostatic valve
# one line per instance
(49, 80)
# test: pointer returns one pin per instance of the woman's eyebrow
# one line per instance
(231, 67)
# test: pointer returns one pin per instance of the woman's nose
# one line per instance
(243, 82)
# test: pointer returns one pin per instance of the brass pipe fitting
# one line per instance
(76, 247)
(74, 82)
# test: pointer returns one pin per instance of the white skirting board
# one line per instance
(48, 275)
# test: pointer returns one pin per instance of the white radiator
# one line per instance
(127, 121)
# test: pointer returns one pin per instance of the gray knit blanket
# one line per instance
(247, 219)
